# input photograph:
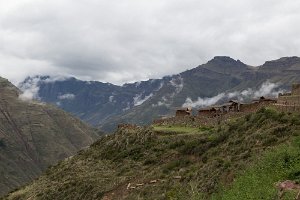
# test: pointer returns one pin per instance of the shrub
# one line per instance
(270, 141)
(194, 148)
(2, 143)
(281, 131)
(177, 144)
(295, 120)
(176, 164)
(150, 161)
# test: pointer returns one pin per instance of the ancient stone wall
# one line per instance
(253, 107)
(296, 89)
(182, 113)
(289, 100)
(287, 108)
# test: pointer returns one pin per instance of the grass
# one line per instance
(177, 129)
(258, 181)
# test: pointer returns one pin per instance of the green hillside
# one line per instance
(34, 135)
(229, 161)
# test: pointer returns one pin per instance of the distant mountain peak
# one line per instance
(286, 60)
(225, 60)
(281, 63)
(225, 65)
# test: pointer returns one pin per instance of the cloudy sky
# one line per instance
(129, 40)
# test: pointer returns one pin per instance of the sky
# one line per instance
(120, 41)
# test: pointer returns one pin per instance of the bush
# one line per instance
(281, 131)
(176, 164)
(176, 144)
(194, 148)
(270, 141)
(2, 143)
(150, 161)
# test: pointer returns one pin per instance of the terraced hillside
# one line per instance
(223, 162)
(34, 135)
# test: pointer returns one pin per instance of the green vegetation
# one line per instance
(258, 181)
(2, 143)
(255, 151)
(278, 164)
(178, 129)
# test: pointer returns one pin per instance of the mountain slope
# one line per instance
(222, 74)
(106, 105)
(33, 136)
(142, 163)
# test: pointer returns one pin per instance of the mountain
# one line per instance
(34, 135)
(106, 105)
(240, 159)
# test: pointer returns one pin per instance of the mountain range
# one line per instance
(34, 135)
(105, 105)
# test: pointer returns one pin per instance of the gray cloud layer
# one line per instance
(126, 40)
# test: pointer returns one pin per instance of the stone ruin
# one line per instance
(290, 102)
(215, 114)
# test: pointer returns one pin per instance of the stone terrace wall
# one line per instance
(287, 107)
(289, 100)
(196, 121)
(254, 107)
(191, 121)
(296, 89)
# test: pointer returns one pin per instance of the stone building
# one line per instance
(182, 112)
(296, 89)
(231, 106)
(290, 101)
(210, 111)
(217, 110)
(257, 104)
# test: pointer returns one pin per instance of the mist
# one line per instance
(267, 89)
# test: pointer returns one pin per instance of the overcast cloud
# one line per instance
(128, 40)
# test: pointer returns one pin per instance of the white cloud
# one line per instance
(111, 99)
(160, 103)
(139, 99)
(30, 90)
(203, 102)
(123, 41)
(67, 96)
(267, 89)
(177, 82)
(127, 107)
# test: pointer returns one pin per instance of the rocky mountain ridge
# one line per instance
(105, 105)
